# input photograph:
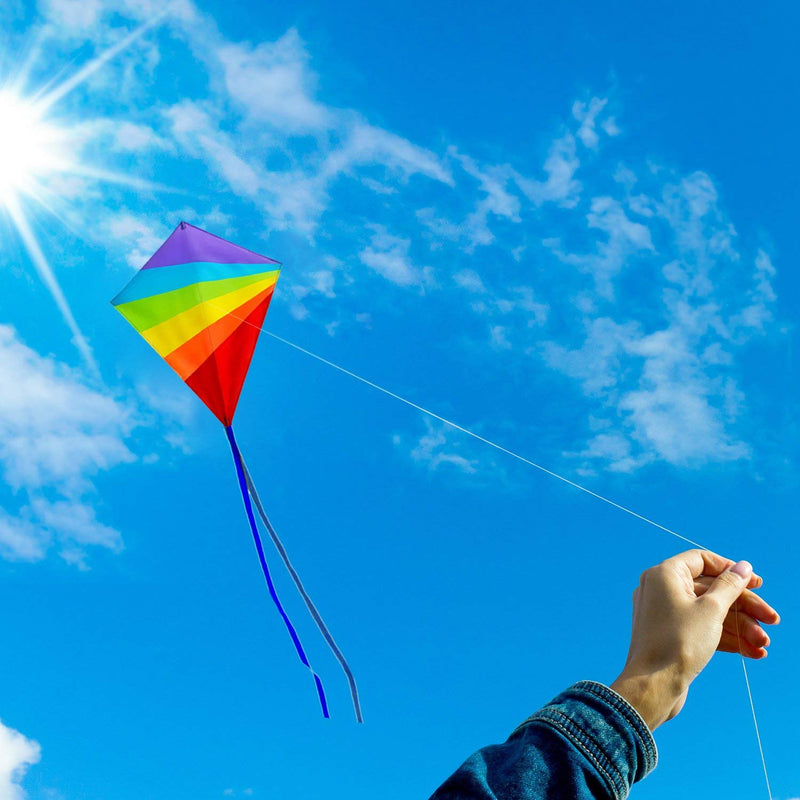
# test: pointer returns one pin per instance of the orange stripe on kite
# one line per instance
(191, 354)
(218, 380)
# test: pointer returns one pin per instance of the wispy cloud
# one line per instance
(587, 113)
(140, 236)
(274, 84)
(626, 279)
(663, 380)
(388, 255)
(56, 434)
(438, 448)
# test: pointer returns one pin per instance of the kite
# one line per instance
(200, 302)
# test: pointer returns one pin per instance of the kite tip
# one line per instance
(183, 225)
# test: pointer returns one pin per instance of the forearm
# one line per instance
(587, 744)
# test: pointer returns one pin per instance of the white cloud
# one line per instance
(679, 410)
(614, 450)
(74, 16)
(196, 131)
(138, 235)
(434, 451)
(56, 434)
(501, 190)
(510, 316)
(498, 337)
(470, 280)
(339, 143)
(128, 136)
(388, 255)
(598, 363)
(76, 526)
(587, 114)
(561, 186)
(663, 399)
(22, 539)
(623, 240)
(17, 753)
(323, 282)
(756, 315)
(523, 301)
(701, 231)
(658, 361)
(274, 84)
(367, 144)
(496, 199)
(273, 90)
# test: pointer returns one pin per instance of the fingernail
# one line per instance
(744, 569)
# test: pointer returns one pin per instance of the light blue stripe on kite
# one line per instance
(148, 282)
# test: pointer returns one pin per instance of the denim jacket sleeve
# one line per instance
(586, 744)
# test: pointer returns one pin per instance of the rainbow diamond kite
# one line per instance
(200, 302)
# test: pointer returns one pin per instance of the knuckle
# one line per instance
(650, 573)
(729, 579)
(717, 606)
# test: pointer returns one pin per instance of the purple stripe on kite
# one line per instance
(188, 243)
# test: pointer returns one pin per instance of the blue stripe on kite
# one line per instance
(149, 282)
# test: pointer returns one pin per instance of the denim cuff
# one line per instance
(605, 729)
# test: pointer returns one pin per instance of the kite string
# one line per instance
(480, 438)
(752, 705)
(524, 460)
(527, 461)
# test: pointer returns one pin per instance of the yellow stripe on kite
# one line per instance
(172, 333)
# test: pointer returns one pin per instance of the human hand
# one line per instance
(685, 609)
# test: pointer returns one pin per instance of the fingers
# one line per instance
(749, 603)
(742, 631)
(746, 628)
(704, 562)
(727, 588)
(730, 643)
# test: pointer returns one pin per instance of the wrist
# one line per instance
(656, 696)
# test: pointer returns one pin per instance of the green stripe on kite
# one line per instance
(150, 311)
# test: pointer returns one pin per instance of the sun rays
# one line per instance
(36, 148)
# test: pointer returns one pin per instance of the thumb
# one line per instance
(727, 587)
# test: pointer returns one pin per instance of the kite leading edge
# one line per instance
(200, 302)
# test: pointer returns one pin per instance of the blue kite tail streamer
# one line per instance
(237, 460)
(312, 609)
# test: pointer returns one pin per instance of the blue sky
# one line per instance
(569, 229)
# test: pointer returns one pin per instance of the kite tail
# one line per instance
(237, 460)
(312, 609)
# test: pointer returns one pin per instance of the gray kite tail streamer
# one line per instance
(312, 609)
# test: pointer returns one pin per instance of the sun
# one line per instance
(31, 148)
(36, 148)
